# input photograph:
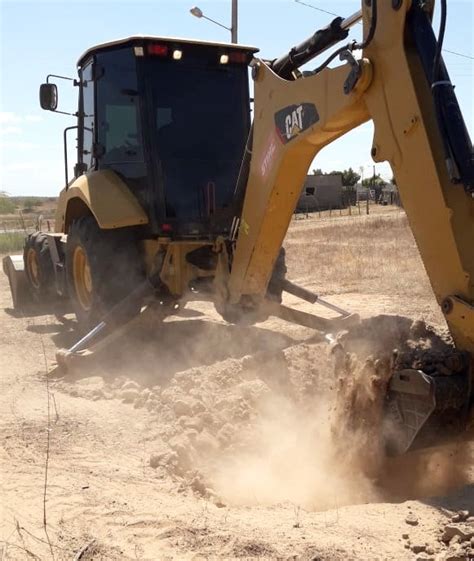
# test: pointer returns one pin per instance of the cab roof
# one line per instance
(140, 39)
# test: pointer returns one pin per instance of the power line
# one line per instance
(315, 8)
(458, 54)
(337, 15)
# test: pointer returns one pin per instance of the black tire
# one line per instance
(39, 267)
(102, 268)
(240, 316)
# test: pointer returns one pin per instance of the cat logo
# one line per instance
(294, 122)
(294, 119)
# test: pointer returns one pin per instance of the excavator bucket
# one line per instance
(14, 268)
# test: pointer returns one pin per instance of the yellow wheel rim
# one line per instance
(82, 278)
(33, 267)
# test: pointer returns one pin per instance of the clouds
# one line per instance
(13, 123)
(7, 131)
(10, 118)
(30, 155)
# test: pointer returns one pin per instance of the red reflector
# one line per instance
(238, 57)
(158, 50)
(166, 228)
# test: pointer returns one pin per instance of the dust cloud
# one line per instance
(289, 423)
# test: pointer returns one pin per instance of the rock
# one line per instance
(96, 381)
(194, 423)
(405, 536)
(191, 434)
(198, 486)
(456, 556)
(155, 460)
(418, 548)
(181, 407)
(460, 516)
(129, 395)
(424, 557)
(130, 385)
(152, 404)
(206, 443)
(412, 520)
(207, 418)
(463, 514)
(198, 406)
(139, 402)
(454, 540)
(225, 434)
(472, 542)
(254, 389)
(163, 458)
(464, 531)
(430, 550)
(182, 447)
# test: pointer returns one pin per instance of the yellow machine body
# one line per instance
(103, 194)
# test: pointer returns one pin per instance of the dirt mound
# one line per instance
(299, 425)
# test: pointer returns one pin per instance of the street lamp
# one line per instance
(197, 12)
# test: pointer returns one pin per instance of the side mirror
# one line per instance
(48, 95)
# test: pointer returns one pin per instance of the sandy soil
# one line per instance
(204, 440)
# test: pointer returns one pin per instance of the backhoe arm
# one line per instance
(391, 85)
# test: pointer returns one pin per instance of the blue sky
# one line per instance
(37, 38)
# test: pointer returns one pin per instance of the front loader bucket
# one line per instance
(14, 268)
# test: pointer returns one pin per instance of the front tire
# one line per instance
(102, 268)
(39, 267)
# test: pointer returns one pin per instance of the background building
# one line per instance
(321, 192)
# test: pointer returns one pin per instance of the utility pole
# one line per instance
(234, 20)
(198, 13)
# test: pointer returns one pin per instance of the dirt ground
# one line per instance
(202, 440)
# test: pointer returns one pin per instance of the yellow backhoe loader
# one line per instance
(177, 195)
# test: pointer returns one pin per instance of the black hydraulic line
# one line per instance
(319, 42)
(353, 45)
(373, 27)
(453, 131)
(439, 46)
(330, 58)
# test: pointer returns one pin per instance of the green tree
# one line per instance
(373, 181)
(350, 177)
(317, 171)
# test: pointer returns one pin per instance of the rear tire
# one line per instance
(102, 268)
(39, 267)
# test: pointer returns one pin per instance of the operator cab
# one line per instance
(171, 117)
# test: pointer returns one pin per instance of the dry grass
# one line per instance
(11, 241)
(365, 254)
